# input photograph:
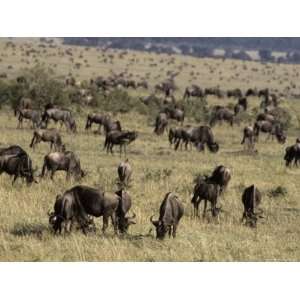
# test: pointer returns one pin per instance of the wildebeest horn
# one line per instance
(151, 219)
(50, 214)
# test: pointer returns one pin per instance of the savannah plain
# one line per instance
(157, 169)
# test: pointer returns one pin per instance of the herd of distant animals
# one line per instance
(81, 203)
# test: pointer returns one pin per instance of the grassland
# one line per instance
(24, 231)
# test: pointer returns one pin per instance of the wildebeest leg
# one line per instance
(68, 226)
(204, 211)
(52, 174)
(174, 230)
(105, 223)
(177, 144)
(15, 178)
(114, 222)
(170, 231)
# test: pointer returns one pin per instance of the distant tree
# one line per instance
(265, 55)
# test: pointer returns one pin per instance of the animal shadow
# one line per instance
(31, 229)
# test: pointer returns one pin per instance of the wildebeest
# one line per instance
(63, 161)
(97, 119)
(214, 91)
(79, 203)
(33, 115)
(251, 92)
(62, 115)
(204, 190)
(242, 105)
(15, 161)
(121, 138)
(47, 135)
(248, 137)
(194, 91)
(220, 176)
(110, 125)
(237, 93)
(222, 114)
(251, 199)
(124, 172)
(178, 136)
(265, 117)
(161, 123)
(202, 136)
(170, 212)
(24, 103)
(273, 129)
(124, 206)
(174, 113)
(292, 153)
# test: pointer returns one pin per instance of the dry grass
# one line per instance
(24, 232)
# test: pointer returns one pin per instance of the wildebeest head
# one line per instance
(161, 228)
(213, 147)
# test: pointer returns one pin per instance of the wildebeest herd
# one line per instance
(81, 204)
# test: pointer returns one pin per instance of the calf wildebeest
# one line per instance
(161, 123)
(273, 129)
(124, 206)
(251, 199)
(47, 135)
(292, 153)
(124, 172)
(220, 176)
(170, 212)
(15, 161)
(206, 191)
(33, 115)
(62, 115)
(79, 203)
(222, 114)
(121, 138)
(63, 161)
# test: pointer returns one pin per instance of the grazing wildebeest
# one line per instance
(124, 206)
(222, 114)
(63, 161)
(220, 176)
(161, 123)
(292, 153)
(174, 113)
(214, 91)
(248, 137)
(178, 136)
(251, 199)
(24, 103)
(79, 203)
(194, 91)
(273, 129)
(203, 135)
(170, 212)
(15, 161)
(33, 115)
(204, 190)
(124, 172)
(121, 138)
(47, 135)
(97, 119)
(62, 115)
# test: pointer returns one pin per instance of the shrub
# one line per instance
(198, 110)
